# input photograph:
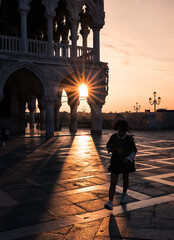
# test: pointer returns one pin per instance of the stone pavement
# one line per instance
(54, 189)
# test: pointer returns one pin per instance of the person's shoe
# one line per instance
(123, 198)
(109, 205)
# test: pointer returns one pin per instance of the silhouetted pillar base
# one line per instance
(57, 125)
(49, 117)
(73, 120)
(96, 119)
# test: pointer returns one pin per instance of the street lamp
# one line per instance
(154, 102)
(137, 108)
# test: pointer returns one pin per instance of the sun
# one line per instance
(83, 90)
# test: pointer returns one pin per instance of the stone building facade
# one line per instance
(41, 55)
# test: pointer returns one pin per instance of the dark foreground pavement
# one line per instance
(54, 189)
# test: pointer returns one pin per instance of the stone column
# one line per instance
(74, 26)
(22, 115)
(32, 108)
(96, 117)
(84, 32)
(42, 114)
(96, 43)
(23, 14)
(73, 115)
(50, 49)
(57, 125)
(49, 105)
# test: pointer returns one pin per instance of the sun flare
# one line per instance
(83, 90)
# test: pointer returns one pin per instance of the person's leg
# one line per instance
(114, 180)
(125, 182)
(125, 187)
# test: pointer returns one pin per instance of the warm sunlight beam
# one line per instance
(83, 91)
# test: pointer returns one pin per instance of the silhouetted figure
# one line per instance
(123, 149)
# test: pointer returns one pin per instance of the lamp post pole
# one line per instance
(155, 101)
(137, 108)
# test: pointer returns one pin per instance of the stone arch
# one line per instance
(75, 8)
(23, 65)
(36, 20)
(22, 84)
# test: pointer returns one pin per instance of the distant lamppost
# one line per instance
(137, 108)
(154, 102)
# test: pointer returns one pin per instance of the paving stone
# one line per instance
(34, 218)
(92, 205)
(85, 231)
(81, 197)
(113, 227)
(142, 219)
(26, 193)
(167, 234)
(66, 210)
(50, 188)
(143, 233)
(162, 223)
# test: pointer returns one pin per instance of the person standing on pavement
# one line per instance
(123, 149)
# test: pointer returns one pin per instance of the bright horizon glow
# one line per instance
(83, 90)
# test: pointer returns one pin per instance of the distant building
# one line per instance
(141, 120)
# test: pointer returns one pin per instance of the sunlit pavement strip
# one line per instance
(86, 217)
(159, 178)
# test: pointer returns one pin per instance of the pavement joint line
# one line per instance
(163, 159)
(146, 154)
(165, 175)
(19, 174)
(164, 162)
(133, 194)
(145, 169)
(6, 200)
(81, 218)
(160, 179)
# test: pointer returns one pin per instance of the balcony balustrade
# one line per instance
(38, 47)
(11, 44)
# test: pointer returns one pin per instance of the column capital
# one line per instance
(24, 8)
(84, 32)
(51, 15)
(49, 99)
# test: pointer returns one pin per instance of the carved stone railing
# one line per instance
(8, 43)
(85, 53)
(38, 47)
(62, 50)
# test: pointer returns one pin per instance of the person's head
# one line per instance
(122, 127)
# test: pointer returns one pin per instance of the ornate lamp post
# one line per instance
(137, 108)
(154, 102)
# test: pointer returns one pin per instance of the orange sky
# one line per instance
(137, 41)
(141, 55)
